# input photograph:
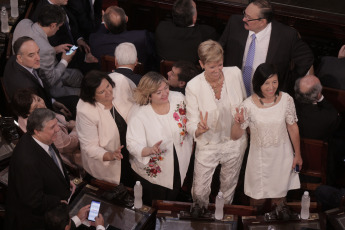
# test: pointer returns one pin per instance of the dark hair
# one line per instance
(49, 14)
(114, 26)
(19, 42)
(21, 102)
(263, 72)
(310, 96)
(38, 119)
(188, 70)
(183, 12)
(57, 218)
(90, 83)
(266, 10)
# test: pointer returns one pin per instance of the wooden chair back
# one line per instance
(108, 65)
(165, 67)
(336, 97)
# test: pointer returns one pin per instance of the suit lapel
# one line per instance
(274, 43)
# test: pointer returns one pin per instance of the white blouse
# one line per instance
(146, 128)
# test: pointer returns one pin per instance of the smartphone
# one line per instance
(70, 51)
(296, 169)
(94, 209)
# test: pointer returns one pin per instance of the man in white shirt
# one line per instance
(274, 43)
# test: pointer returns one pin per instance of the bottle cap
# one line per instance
(306, 193)
(220, 194)
(137, 183)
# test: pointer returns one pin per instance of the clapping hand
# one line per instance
(239, 117)
(155, 149)
(117, 153)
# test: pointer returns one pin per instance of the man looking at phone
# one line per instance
(38, 180)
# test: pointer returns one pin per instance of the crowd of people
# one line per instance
(122, 127)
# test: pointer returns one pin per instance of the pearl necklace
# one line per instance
(268, 104)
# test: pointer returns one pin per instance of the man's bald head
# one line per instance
(308, 89)
(115, 19)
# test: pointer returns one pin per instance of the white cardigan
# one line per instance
(200, 98)
(99, 134)
(146, 128)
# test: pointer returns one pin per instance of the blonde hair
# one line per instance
(210, 51)
(148, 84)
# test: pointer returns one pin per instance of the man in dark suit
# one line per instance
(126, 60)
(273, 43)
(38, 180)
(21, 72)
(113, 32)
(331, 71)
(179, 39)
(317, 118)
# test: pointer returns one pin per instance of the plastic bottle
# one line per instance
(219, 213)
(14, 9)
(305, 203)
(4, 20)
(138, 194)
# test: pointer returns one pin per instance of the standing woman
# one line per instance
(157, 139)
(212, 97)
(101, 124)
(271, 117)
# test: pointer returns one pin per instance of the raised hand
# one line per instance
(202, 125)
(155, 149)
(239, 117)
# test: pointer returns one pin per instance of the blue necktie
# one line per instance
(53, 155)
(248, 67)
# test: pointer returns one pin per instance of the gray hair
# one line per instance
(309, 97)
(126, 54)
(38, 119)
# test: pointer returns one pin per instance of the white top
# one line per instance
(261, 47)
(98, 132)
(146, 128)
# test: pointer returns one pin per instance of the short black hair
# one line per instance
(19, 42)
(114, 27)
(57, 218)
(266, 9)
(188, 70)
(263, 72)
(49, 14)
(90, 83)
(183, 12)
(21, 101)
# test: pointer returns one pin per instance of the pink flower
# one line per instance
(176, 116)
(184, 120)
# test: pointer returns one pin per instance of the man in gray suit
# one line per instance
(61, 80)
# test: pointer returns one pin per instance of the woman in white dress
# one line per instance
(271, 117)
(212, 97)
(157, 139)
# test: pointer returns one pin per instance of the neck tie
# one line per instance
(34, 72)
(55, 159)
(248, 67)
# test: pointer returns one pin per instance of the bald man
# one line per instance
(113, 32)
(317, 118)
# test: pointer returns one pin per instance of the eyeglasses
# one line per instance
(248, 18)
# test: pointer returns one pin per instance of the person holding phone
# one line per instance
(271, 116)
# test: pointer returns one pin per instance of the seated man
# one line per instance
(180, 74)
(317, 118)
(21, 73)
(126, 60)
(331, 71)
(61, 80)
(113, 32)
(179, 39)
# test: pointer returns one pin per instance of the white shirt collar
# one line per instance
(44, 146)
(263, 33)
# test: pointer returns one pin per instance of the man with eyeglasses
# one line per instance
(255, 38)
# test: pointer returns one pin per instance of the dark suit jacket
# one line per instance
(285, 49)
(103, 42)
(332, 72)
(317, 121)
(62, 36)
(17, 77)
(175, 43)
(130, 74)
(35, 185)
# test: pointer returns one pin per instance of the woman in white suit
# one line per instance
(102, 113)
(211, 98)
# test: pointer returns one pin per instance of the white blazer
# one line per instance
(99, 134)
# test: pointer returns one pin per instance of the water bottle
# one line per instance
(305, 203)
(4, 20)
(14, 9)
(138, 194)
(219, 206)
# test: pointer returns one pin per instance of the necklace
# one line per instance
(268, 104)
(216, 87)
